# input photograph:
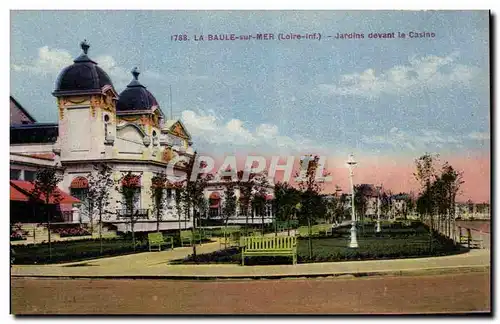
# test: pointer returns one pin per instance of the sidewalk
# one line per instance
(155, 265)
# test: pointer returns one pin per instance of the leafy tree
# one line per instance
(128, 187)
(259, 195)
(310, 188)
(45, 189)
(286, 198)
(361, 194)
(179, 203)
(99, 195)
(229, 205)
(246, 195)
(193, 194)
(159, 184)
(425, 173)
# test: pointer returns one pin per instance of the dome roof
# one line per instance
(135, 96)
(82, 77)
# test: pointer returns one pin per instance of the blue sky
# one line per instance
(391, 97)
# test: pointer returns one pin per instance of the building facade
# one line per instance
(128, 131)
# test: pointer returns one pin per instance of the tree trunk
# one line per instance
(158, 220)
(100, 229)
(194, 235)
(132, 226)
(48, 227)
(310, 238)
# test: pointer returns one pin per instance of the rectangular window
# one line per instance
(29, 175)
(15, 174)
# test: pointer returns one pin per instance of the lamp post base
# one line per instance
(354, 239)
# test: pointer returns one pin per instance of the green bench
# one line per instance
(325, 228)
(186, 237)
(157, 239)
(269, 246)
(468, 240)
(231, 239)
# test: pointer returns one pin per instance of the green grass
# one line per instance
(395, 241)
(79, 250)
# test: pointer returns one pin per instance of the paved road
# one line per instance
(420, 294)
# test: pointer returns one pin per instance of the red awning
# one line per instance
(17, 195)
(215, 204)
(79, 183)
(269, 197)
(26, 188)
(214, 195)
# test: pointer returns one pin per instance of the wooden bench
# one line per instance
(157, 239)
(231, 239)
(187, 237)
(325, 228)
(468, 240)
(269, 246)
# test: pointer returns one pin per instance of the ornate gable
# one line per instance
(179, 130)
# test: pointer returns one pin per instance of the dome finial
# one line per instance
(135, 73)
(85, 46)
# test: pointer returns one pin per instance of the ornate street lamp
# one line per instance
(379, 188)
(354, 241)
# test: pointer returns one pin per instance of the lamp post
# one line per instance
(354, 241)
(379, 188)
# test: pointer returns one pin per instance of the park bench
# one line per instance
(324, 228)
(269, 246)
(231, 239)
(157, 239)
(187, 237)
(467, 239)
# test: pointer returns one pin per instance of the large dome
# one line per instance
(135, 96)
(82, 77)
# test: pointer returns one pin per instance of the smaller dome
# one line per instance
(135, 96)
(83, 76)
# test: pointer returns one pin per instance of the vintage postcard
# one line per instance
(165, 162)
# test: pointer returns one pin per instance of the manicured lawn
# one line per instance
(78, 250)
(395, 241)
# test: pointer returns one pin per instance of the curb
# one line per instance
(339, 275)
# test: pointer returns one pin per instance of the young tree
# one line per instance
(45, 189)
(179, 203)
(229, 205)
(425, 174)
(193, 193)
(99, 195)
(310, 188)
(245, 201)
(159, 184)
(259, 196)
(361, 194)
(128, 187)
(286, 198)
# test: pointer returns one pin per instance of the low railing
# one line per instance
(137, 213)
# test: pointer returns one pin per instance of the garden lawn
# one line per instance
(78, 250)
(395, 241)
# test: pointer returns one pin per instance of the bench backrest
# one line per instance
(303, 231)
(155, 237)
(186, 234)
(269, 243)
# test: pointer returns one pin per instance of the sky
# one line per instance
(387, 101)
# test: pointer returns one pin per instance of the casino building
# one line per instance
(128, 131)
